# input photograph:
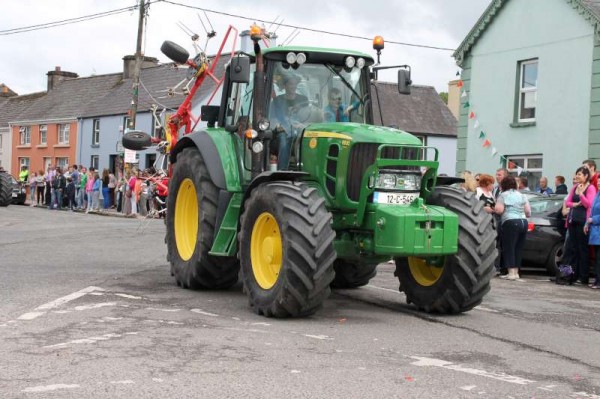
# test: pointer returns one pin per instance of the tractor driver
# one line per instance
(283, 110)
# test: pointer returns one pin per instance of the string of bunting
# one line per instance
(486, 142)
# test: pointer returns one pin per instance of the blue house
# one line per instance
(531, 88)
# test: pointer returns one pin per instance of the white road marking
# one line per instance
(584, 395)
(68, 298)
(429, 362)
(157, 380)
(547, 388)
(260, 323)
(48, 388)
(90, 340)
(164, 310)
(322, 337)
(381, 288)
(295, 371)
(122, 382)
(95, 306)
(30, 315)
(200, 311)
(468, 387)
(129, 296)
(485, 309)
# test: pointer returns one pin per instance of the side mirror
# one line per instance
(239, 70)
(209, 114)
(404, 81)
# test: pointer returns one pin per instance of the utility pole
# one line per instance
(138, 65)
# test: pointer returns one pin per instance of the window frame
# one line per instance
(43, 134)
(526, 169)
(96, 132)
(25, 135)
(63, 162)
(64, 131)
(523, 90)
(23, 161)
(95, 161)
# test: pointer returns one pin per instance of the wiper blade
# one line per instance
(346, 83)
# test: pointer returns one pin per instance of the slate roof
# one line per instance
(588, 9)
(11, 108)
(421, 112)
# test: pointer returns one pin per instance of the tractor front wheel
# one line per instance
(286, 249)
(453, 283)
(352, 275)
(191, 219)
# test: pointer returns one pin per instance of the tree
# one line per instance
(444, 97)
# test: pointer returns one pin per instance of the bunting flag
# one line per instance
(487, 143)
(482, 135)
(466, 105)
(464, 94)
(476, 125)
(457, 73)
(472, 115)
(494, 151)
(519, 171)
(460, 84)
(511, 165)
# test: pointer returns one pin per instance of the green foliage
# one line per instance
(444, 97)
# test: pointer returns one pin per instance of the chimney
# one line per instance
(247, 46)
(57, 76)
(129, 64)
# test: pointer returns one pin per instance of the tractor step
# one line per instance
(225, 243)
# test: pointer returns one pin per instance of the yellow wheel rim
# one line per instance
(424, 273)
(266, 250)
(186, 219)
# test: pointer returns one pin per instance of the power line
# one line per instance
(304, 28)
(68, 21)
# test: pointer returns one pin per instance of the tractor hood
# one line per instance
(358, 132)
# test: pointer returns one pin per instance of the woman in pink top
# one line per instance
(580, 202)
(89, 188)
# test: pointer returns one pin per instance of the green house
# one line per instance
(530, 96)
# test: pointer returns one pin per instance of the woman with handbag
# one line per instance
(592, 229)
(580, 202)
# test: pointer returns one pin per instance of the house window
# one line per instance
(529, 166)
(126, 121)
(96, 132)
(63, 162)
(23, 162)
(95, 161)
(63, 133)
(528, 78)
(47, 163)
(25, 135)
(43, 134)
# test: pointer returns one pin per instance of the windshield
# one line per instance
(317, 93)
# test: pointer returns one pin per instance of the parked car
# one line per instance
(19, 192)
(546, 233)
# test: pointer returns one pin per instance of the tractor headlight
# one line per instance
(263, 124)
(257, 147)
(360, 63)
(350, 62)
(290, 58)
(387, 180)
(301, 58)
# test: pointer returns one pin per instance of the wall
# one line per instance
(447, 153)
(521, 31)
(6, 150)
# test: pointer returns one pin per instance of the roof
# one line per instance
(421, 112)
(12, 108)
(589, 9)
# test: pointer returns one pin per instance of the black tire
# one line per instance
(554, 259)
(5, 189)
(192, 210)
(174, 52)
(136, 140)
(352, 275)
(465, 276)
(286, 227)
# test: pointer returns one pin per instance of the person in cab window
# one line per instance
(337, 111)
(284, 110)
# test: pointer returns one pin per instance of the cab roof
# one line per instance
(316, 54)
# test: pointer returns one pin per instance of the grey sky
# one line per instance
(98, 46)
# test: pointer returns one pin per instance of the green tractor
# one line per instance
(299, 192)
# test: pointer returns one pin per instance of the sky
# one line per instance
(97, 46)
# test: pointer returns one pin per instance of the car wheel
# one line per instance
(554, 259)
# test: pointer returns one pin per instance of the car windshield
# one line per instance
(541, 205)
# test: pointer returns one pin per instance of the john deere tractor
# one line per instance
(298, 193)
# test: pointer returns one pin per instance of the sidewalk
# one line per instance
(103, 212)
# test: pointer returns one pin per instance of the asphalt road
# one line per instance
(88, 310)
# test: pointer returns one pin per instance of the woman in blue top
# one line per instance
(514, 210)
(592, 229)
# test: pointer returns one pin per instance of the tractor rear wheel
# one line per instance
(453, 283)
(6, 188)
(191, 218)
(286, 249)
(352, 275)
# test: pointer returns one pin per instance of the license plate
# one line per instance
(394, 198)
